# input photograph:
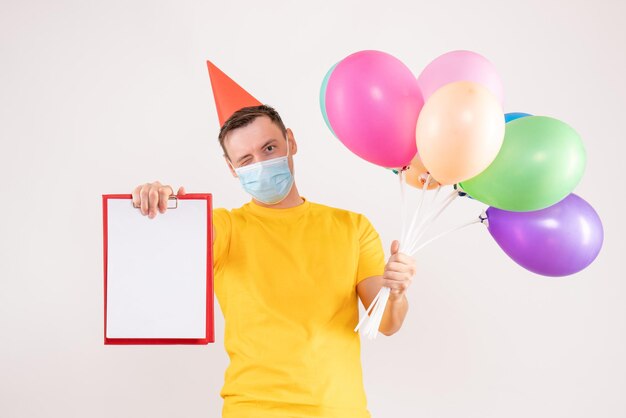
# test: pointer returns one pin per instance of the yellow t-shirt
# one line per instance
(286, 281)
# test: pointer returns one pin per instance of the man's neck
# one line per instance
(293, 199)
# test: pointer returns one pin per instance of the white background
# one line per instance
(98, 97)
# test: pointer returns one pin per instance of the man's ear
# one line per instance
(293, 146)
(229, 166)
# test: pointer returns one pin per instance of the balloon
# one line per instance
(416, 174)
(459, 131)
(541, 161)
(372, 102)
(323, 97)
(508, 117)
(460, 66)
(559, 240)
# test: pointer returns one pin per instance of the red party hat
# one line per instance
(229, 96)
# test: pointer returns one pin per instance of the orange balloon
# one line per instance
(459, 131)
(416, 174)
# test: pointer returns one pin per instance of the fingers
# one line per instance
(394, 266)
(164, 194)
(397, 276)
(395, 246)
(150, 197)
(143, 196)
(153, 201)
(181, 191)
(399, 271)
(402, 258)
(401, 285)
(136, 198)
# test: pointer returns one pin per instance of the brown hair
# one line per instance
(245, 116)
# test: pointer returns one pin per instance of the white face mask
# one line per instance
(267, 181)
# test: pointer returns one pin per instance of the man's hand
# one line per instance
(399, 272)
(152, 196)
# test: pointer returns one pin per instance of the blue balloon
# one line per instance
(508, 117)
(323, 97)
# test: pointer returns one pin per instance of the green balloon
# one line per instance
(541, 161)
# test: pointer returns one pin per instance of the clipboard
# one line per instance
(158, 273)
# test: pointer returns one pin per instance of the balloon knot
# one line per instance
(458, 189)
(483, 218)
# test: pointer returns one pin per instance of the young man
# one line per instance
(288, 274)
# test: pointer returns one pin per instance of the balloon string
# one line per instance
(428, 223)
(403, 208)
(371, 327)
(368, 310)
(474, 221)
(374, 305)
(372, 332)
(372, 322)
(431, 218)
(435, 195)
(410, 232)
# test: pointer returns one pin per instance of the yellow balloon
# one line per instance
(417, 174)
(459, 131)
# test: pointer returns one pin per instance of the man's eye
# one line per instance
(270, 147)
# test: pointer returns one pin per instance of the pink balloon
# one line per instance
(372, 103)
(460, 66)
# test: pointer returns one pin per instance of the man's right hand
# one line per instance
(152, 196)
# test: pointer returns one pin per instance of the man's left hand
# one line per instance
(399, 272)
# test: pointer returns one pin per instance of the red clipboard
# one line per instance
(210, 332)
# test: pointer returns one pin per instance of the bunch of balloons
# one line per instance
(447, 127)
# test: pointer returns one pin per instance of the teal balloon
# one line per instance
(323, 97)
(541, 161)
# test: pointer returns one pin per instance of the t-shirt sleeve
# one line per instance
(223, 229)
(371, 254)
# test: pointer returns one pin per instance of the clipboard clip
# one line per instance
(174, 198)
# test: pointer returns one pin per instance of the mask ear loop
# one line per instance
(231, 164)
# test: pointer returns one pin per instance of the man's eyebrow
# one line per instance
(264, 145)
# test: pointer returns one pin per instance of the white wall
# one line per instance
(97, 97)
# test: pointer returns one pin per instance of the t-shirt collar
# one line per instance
(255, 208)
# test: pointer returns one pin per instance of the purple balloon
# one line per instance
(559, 240)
